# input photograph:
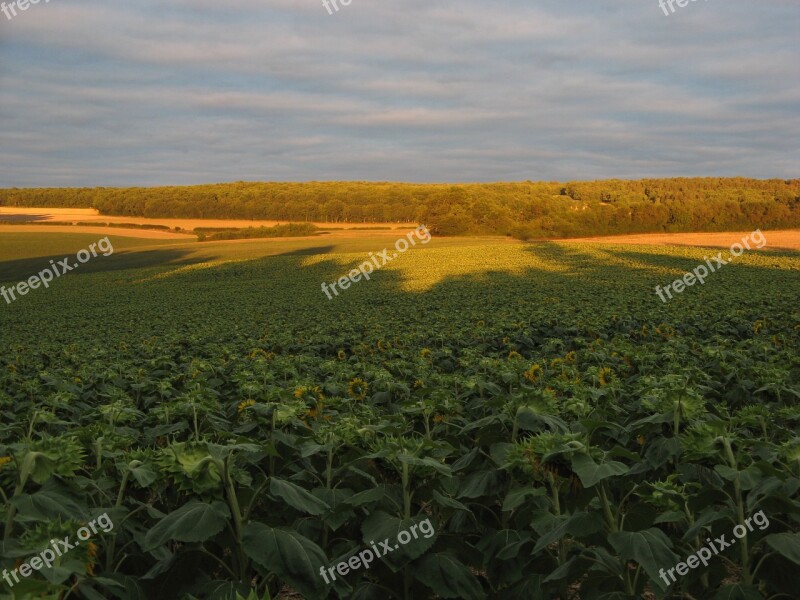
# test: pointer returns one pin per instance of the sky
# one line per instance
(143, 93)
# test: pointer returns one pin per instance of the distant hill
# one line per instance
(523, 209)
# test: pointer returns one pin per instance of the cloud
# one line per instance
(193, 91)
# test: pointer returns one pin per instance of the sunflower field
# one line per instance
(567, 434)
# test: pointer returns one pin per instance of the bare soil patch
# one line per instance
(785, 239)
(146, 234)
(85, 215)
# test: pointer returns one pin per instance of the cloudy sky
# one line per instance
(113, 92)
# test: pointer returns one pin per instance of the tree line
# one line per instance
(521, 209)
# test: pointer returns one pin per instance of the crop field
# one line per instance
(554, 429)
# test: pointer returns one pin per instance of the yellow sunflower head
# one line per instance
(570, 357)
(418, 384)
(425, 352)
(358, 388)
(4, 460)
(316, 412)
(514, 354)
(534, 373)
(91, 554)
(341, 355)
(92, 550)
(605, 375)
(245, 405)
(309, 393)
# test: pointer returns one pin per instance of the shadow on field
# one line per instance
(435, 295)
(307, 251)
(20, 270)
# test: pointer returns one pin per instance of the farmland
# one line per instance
(567, 434)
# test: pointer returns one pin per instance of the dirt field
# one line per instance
(145, 234)
(84, 215)
(788, 239)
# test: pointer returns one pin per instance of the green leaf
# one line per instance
(481, 483)
(143, 475)
(379, 527)
(529, 420)
(516, 497)
(605, 562)
(591, 473)
(45, 504)
(552, 529)
(738, 591)
(448, 577)
(442, 500)
(368, 496)
(288, 555)
(529, 588)
(670, 516)
(704, 519)
(367, 590)
(701, 474)
(662, 450)
(504, 544)
(750, 477)
(650, 548)
(428, 462)
(340, 511)
(786, 544)
(465, 461)
(297, 497)
(192, 522)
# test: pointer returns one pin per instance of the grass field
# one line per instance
(567, 433)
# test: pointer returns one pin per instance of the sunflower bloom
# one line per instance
(309, 392)
(92, 555)
(245, 405)
(358, 389)
(534, 373)
(605, 376)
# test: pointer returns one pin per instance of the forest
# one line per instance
(521, 209)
